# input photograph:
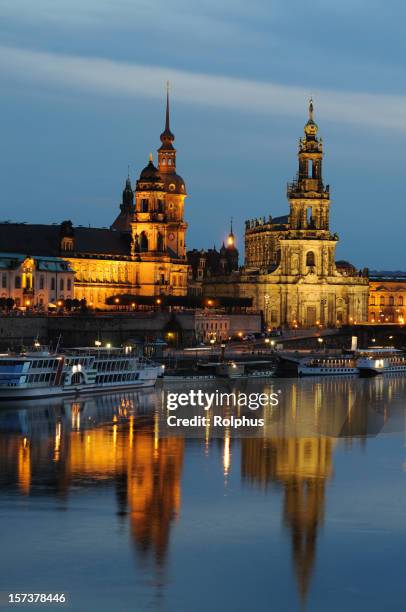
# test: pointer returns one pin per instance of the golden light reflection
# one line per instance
(57, 446)
(226, 453)
(24, 467)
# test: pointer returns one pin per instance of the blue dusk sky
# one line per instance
(82, 96)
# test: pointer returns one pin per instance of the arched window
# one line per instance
(144, 205)
(400, 300)
(310, 259)
(391, 300)
(382, 300)
(372, 300)
(143, 242)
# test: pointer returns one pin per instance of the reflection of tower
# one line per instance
(153, 491)
(301, 466)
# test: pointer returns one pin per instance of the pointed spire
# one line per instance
(167, 137)
(311, 109)
(311, 127)
(231, 238)
(167, 128)
(151, 158)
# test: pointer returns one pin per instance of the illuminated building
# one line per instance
(142, 254)
(204, 264)
(290, 269)
(387, 297)
(35, 280)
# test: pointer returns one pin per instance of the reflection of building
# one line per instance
(301, 466)
(143, 253)
(387, 297)
(35, 279)
(145, 469)
(153, 491)
(290, 267)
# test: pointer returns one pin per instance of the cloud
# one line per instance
(115, 78)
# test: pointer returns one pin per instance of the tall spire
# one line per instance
(167, 129)
(167, 137)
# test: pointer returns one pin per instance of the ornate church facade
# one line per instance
(143, 253)
(290, 269)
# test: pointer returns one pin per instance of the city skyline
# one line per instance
(79, 110)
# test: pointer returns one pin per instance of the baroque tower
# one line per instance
(158, 228)
(290, 270)
(175, 189)
(309, 248)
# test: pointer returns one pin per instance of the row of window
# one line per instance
(44, 364)
(102, 274)
(41, 283)
(109, 366)
(390, 302)
(144, 206)
(213, 326)
(111, 378)
(36, 378)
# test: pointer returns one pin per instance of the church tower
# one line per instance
(308, 198)
(308, 248)
(175, 189)
(123, 221)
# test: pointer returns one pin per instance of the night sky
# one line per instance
(82, 96)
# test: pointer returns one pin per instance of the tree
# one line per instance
(10, 303)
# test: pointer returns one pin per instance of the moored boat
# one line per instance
(381, 360)
(328, 366)
(40, 374)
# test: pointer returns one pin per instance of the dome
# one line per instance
(150, 173)
(311, 128)
(174, 184)
(344, 264)
(345, 267)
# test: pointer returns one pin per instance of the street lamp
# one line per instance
(97, 343)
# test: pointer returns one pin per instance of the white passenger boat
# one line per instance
(381, 360)
(327, 366)
(40, 373)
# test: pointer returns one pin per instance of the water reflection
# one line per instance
(120, 441)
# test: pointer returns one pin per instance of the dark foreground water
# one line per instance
(100, 501)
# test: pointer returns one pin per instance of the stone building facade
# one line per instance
(35, 280)
(290, 268)
(143, 253)
(211, 262)
(387, 297)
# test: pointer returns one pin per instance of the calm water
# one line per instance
(99, 500)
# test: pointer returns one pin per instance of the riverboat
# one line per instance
(40, 373)
(381, 360)
(328, 366)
